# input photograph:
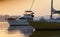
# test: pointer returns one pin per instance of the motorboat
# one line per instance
(21, 20)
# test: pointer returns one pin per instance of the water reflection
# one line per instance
(14, 31)
(24, 29)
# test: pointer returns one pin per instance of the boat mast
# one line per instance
(51, 8)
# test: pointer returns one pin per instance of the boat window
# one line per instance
(22, 18)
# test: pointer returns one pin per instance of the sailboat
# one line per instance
(47, 25)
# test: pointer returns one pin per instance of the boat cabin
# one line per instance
(28, 15)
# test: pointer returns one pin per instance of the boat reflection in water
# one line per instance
(14, 31)
(5, 33)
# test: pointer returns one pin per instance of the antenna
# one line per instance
(51, 8)
(32, 4)
(30, 7)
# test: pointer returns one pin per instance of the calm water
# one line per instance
(14, 31)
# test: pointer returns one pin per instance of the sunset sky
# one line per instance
(17, 7)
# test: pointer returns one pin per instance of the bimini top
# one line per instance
(28, 11)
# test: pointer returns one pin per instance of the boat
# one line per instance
(21, 20)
